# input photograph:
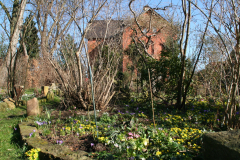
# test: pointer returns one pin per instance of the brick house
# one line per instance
(122, 34)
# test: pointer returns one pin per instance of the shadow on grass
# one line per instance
(18, 116)
(16, 139)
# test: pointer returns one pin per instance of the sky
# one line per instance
(173, 10)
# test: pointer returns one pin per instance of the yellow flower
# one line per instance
(178, 153)
(158, 153)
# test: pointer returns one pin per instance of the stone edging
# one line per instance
(48, 151)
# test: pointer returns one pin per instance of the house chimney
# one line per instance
(146, 8)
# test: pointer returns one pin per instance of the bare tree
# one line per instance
(16, 21)
(226, 24)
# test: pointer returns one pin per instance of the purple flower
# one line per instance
(49, 122)
(39, 123)
(15, 129)
(34, 130)
(137, 108)
(108, 126)
(127, 105)
(63, 128)
(237, 112)
(77, 134)
(126, 111)
(132, 113)
(159, 128)
(74, 122)
(30, 135)
(59, 141)
(92, 144)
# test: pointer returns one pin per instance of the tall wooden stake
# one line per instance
(151, 98)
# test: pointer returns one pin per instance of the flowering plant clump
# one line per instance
(131, 134)
(33, 154)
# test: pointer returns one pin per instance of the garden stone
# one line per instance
(32, 107)
(50, 96)
(10, 104)
(223, 145)
(11, 100)
(45, 90)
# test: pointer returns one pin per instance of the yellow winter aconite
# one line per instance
(33, 154)
(158, 153)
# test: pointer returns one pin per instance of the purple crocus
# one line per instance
(92, 144)
(30, 135)
(39, 123)
(59, 142)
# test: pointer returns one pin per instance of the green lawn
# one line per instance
(10, 144)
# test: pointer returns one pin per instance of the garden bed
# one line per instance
(30, 135)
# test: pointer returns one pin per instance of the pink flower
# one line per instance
(130, 137)
(130, 134)
(137, 136)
